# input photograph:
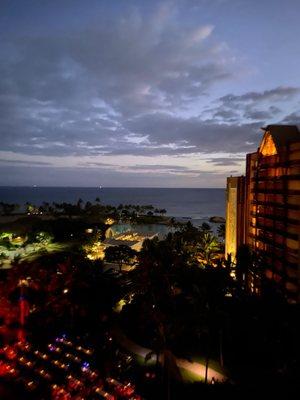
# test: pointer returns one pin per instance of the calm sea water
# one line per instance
(189, 203)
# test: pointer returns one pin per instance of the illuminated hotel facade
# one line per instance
(235, 202)
(263, 208)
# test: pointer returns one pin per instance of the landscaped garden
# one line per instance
(170, 319)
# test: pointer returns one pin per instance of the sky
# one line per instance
(142, 93)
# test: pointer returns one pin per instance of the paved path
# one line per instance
(193, 367)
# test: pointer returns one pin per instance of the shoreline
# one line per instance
(181, 219)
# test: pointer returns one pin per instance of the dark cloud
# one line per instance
(222, 161)
(292, 119)
(279, 93)
(160, 167)
(253, 106)
(23, 162)
(226, 114)
(252, 113)
(95, 164)
(70, 92)
(126, 82)
(106, 177)
(150, 168)
(194, 135)
(171, 169)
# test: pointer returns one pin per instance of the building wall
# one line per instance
(235, 195)
(231, 217)
(263, 211)
(251, 165)
(273, 199)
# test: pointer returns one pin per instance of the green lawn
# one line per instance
(32, 252)
(212, 364)
(190, 377)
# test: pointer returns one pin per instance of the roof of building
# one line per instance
(283, 134)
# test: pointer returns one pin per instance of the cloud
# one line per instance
(222, 161)
(155, 81)
(24, 162)
(66, 87)
(253, 113)
(149, 168)
(96, 164)
(169, 169)
(226, 114)
(199, 34)
(254, 106)
(292, 119)
(280, 93)
(94, 177)
(192, 135)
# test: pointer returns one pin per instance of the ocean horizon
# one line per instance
(193, 203)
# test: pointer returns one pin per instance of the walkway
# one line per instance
(193, 367)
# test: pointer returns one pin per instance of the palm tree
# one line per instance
(164, 356)
(79, 203)
(29, 207)
(205, 227)
(8, 208)
(88, 206)
(208, 247)
(167, 278)
(221, 231)
(45, 206)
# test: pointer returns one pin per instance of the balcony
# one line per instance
(274, 231)
(267, 240)
(275, 204)
(269, 177)
(281, 256)
(275, 217)
(281, 191)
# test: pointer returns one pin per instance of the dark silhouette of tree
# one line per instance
(221, 231)
(8, 208)
(244, 265)
(174, 299)
(119, 254)
(205, 227)
(79, 203)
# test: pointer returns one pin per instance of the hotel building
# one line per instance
(234, 214)
(263, 209)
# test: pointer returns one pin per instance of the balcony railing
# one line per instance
(276, 204)
(281, 191)
(274, 230)
(267, 240)
(275, 178)
(275, 217)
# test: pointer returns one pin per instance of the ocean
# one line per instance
(195, 204)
